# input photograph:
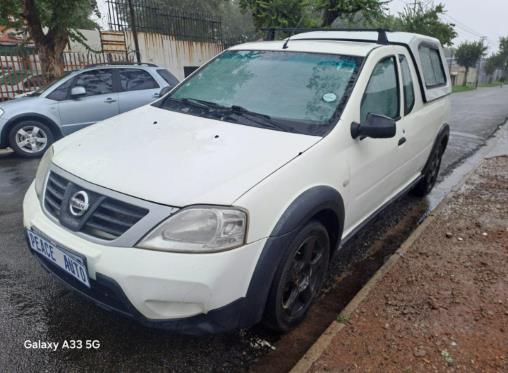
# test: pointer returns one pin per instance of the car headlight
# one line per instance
(42, 171)
(199, 229)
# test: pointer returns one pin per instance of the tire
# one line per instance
(30, 138)
(299, 278)
(425, 185)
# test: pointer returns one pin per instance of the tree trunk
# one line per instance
(465, 76)
(329, 15)
(50, 56)
(50, 45)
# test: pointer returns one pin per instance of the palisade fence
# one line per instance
(153, 16)
(20, 68)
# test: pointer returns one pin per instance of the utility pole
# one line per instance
(134, 32)
(479, 64)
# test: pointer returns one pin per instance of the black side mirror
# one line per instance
(164, 90)
(376, 126)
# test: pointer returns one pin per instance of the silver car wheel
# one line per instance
(31, 139)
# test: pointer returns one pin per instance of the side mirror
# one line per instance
(164, 90)
(78, 91)
(376, 126)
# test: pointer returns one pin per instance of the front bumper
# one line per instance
(190, 293)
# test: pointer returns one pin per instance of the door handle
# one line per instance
(109, 100)
(402, 140)
(156, 95)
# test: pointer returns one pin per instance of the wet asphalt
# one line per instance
(36, 307)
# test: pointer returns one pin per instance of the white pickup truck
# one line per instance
(222, 204)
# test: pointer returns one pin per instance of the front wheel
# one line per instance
(429, 178)
(30, 138)
(299, 278)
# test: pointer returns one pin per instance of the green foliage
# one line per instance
(422, 18)
(493, 63)
(279, 13)
(468, 53)
(332, 10)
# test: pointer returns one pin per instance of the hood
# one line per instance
(177, 159)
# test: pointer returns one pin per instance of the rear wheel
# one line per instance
(429, 178)
(299, 278)
(30, 138)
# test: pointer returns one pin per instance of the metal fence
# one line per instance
(21, 72)
(154, 16)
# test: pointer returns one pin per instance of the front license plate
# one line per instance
(70, 263)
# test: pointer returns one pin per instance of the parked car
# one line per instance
(222, 203)
(31, 123)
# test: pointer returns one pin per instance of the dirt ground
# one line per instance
(444, 305)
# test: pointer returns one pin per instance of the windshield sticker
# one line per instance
(329, 97)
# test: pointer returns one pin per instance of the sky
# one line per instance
(472, 19)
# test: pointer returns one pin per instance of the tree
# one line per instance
(50, 24)
(279, 13)
(493, 63)
(468, 54)
(422, 18)
(333, 9)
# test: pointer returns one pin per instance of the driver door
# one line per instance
(374, 161)
(100, 101)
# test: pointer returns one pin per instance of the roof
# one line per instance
(350, 48)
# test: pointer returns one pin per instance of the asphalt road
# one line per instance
(35, 307)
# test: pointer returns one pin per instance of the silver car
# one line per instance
(31, 123)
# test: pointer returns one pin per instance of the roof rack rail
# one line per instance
(121, 63)
(381, 33)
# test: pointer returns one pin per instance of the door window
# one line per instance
(96, 82)
(433, 71)
(136, 79)
(407, 84)
(382, 93)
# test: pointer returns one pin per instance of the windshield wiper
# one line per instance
(263, 120)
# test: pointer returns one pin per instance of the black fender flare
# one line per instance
(319, 201)
(4, 136)
(442, 137)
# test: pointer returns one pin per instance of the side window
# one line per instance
(407, 84)
(433, 71)
(382, 93)
(168, 77)
(96, 82)
(136, 79)
(60, 93)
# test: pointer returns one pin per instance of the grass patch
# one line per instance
(462, 88)
(342, 319)
(493, 84)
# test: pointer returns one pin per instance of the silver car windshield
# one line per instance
(293, 91)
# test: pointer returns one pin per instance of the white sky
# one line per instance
(472, 18)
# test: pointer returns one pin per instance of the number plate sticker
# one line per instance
(70, 263)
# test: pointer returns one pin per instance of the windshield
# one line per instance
(289, 91)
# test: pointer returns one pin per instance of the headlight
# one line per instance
(42, 171)
(199, 229)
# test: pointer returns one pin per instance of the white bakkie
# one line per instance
(222, 204)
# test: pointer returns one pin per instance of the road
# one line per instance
(34, 306)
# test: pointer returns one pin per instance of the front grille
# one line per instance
(55, 192)
(107, 218)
